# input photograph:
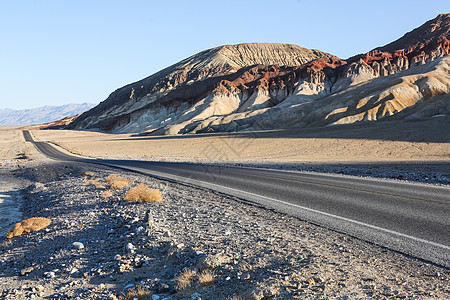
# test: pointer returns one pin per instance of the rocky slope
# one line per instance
(268, 86)
(39, 115)
(188, 80)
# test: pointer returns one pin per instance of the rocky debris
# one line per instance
(250, 253)
(259, 293)
(212, 261)
(26, 271)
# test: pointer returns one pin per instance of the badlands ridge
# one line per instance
(279, 86)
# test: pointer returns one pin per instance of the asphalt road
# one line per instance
(410, 218)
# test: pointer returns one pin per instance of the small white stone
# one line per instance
(130, 247)
(78, 245)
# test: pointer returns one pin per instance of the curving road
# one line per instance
(411, 218)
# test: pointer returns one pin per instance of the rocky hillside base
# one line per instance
(103, 247)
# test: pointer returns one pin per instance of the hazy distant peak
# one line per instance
(43, 114)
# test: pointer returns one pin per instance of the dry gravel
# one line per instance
(255, 253)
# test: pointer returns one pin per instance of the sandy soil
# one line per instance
(12, 144)
(425, 140)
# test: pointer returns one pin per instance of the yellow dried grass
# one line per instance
(28, 226)
(137, 293)
(106, 194)
(185, 279)
(206, 277)
(142, 193)
(117, 182)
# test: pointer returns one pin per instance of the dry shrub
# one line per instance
(137, 293)
(114, 177)
(28, 226)
(185, 279)
(206, 277)
(89, 173)
(95, 182)
(116, 185)
(117, 182)
(107, 194)
(91, 181)
(143, 193)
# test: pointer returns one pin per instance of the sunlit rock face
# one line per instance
(273, 86)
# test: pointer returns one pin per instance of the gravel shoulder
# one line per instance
(254, 253)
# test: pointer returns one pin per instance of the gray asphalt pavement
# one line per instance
(410, 218)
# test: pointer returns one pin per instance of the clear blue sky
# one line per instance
(59, 52)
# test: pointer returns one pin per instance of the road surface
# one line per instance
(410, 218)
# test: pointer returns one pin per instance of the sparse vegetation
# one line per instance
(185, 279)
(143, 193)
(28, 226)
(117, 182)
(89, 173)
(206, 278)
(137, 293)
(95, 182)
(106, 194)
(114, 177)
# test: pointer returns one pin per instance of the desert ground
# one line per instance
(414, 140)
(195, 244)
(414, 150)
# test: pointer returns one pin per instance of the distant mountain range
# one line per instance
(40, 115)
(259, 86)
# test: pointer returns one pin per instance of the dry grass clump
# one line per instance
(89, 173)
(185, 279)
(95, 182)
(117, 185)
(206, 278)
(117, 182)
(28, 226)
(137, 293)
(114, 177)
(106, 194)
(143, 193)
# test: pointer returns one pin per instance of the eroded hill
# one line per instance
(270, 86)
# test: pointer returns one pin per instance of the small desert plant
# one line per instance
(28, 226)
(143, 193)
(206, 277)
(116, 185)
(117, 182)
(107, 194)
(95, 182)
(185, 279)
(137, 293)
